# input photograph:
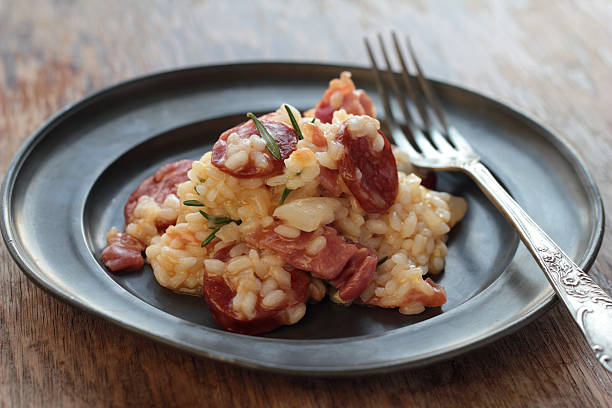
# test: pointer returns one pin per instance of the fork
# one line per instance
(446, 149)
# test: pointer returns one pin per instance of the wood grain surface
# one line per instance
(552, 60)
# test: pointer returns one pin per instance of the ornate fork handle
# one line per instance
(589, 305)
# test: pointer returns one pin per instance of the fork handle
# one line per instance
(588, 304)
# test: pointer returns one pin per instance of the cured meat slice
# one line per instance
(329, 180)
(316, 135)
(342, 94)
(357, 274)
(438, 298)
(223, 253)
(368, 167)
(348, 266)
(122, 252)
(220, 298)
(158, 186)
(327, 263)
(428, 179)
(241, 151)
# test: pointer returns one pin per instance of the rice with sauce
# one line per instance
(408, 238)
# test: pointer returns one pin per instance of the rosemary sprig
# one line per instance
(286, 192)
(225, 220)
(294, 123)
(193, 203)
(210, 237)
(263, 132)
(219, 220)
(382, 261)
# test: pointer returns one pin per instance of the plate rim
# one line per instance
(560, 143)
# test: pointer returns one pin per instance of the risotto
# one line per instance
(288, 208)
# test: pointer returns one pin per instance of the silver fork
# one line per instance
(446, 149)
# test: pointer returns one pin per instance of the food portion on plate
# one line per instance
(288, 208)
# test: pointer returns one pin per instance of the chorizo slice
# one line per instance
(122, 252)
(241, 151)
(328, 179)
(367, 165)
(220, 295)
(342, 94)
(161, 184)
(438, 298)
(327, 263)
(348, 266)
(357, 274)
(428, 179)
(223, 253)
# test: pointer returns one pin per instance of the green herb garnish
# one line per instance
(196, 190)
(263, 132)
(225, 220)
(382, 261)
(219, 220)
(312, 121)
(294, 123)
(202, 180)
(286, 192)
(193, 203)
(210, 237)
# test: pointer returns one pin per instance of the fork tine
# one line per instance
(458, 141)
(429, 94)
(379, 86)
(400, 140)
(441, 142)
(424, 144)
(393, 82)
(408, 85)
(403, 143)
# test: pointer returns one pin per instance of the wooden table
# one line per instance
(550, 60)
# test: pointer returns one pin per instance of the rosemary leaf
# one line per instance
(263, 132)
(219, 220)
(312, 121)
(202, 180)
(225, 220)
(210, 237)
(193, 203)
(382, 261)
(196, 190)
(286, 192)
(294, 123)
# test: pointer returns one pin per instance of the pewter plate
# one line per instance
(67, 185)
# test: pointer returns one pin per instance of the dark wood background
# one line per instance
(552, 60)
